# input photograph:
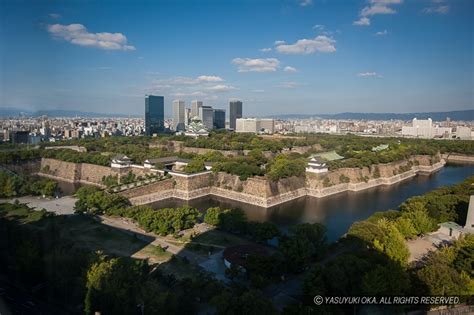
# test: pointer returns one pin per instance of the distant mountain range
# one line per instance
(467, 115)
(15, 112)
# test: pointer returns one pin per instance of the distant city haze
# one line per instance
(276, 57)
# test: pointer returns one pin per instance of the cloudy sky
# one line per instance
(289, 56)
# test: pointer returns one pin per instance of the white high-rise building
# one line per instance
(178, 115)
(246, 125)
(195, 105)
(206, 114)
(423, 128)
(255, 125)
(267, 125)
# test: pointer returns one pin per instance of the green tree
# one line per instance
(112, 286)
(284, 166)
(420, 219)
(405, 227)
(195, 166)
(385, 280)
(213, 215)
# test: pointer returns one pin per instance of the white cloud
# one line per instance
(265, 49)
(55, 15)
(179, 80)
(221, 88)
(381, 33)
(77, 34)
(320, 43)
(289, 85)
(209, 78)
(184, 94)
(441, 9)
(376, 7)
(305, 3)
(318, 27)
(363, 21)
(290, 69)
(279, 42)
(256, 65)
(258, 91)
(368, 74)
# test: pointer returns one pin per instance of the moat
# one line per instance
(337, 212)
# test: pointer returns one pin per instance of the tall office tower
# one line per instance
(178, 115)
(219, 118)
(206, 114)
(235, 111)
(154, 114)
(195, 105)
(187, 116)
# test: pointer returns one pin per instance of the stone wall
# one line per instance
(94, 173)
(256, 190)
(458, 158)
(74, 172)
(192, 182)
(161, 186)
(65, 170)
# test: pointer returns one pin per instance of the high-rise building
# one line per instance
(195, 105)
(206, 114)
(246, 125)
(219, 118)
(19, 136)
(187, 116)
(178, 115)
(267, 125)
(235, 111)
(154, 114)
(255, 125)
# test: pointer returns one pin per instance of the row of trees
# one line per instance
(12, 185)
(380, 267)
(80, 281)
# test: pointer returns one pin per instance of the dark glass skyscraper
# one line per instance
(235, 111)
(154, 114)
(219, 118)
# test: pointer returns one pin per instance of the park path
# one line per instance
(132, 228)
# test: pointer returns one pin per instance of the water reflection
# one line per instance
(339, 211)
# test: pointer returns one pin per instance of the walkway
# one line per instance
(64, 205)
(132, 228)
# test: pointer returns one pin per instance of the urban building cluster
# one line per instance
(33, 130)
(197, 120)
(200, 119)
(417, 128)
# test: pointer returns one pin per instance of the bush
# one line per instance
(195, 166)
(285, 166)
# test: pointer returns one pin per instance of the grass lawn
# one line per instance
(181, 269)
(219, 238)
(84, 232)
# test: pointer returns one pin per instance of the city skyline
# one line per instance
(356, 56)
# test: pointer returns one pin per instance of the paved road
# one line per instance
(64, 205)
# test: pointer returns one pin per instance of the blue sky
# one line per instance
(290, 56)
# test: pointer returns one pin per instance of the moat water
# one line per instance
(336, 212)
